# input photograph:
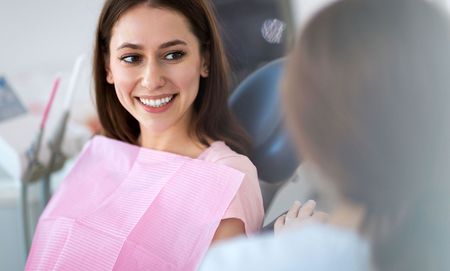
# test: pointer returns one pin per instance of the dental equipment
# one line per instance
(34, 169)
(57, 157)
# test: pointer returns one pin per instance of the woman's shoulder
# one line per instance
(219, 152)
(247, 204)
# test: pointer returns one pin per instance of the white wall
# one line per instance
(46, 34)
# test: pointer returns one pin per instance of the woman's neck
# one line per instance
(176, 139)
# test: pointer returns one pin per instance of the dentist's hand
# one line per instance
(298, 215)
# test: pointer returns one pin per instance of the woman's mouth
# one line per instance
(157, 105)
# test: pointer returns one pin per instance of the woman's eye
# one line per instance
(174, 55)
(131, 59)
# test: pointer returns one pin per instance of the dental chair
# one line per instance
(256, 105)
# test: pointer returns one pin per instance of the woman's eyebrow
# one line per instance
(172, 43)
(162, 46)
(130, 45)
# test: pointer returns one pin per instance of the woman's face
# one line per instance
(155, 64)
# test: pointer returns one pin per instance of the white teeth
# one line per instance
(156, 102)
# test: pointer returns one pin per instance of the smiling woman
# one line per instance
(192, 39)
(168, 175)
(155, 64)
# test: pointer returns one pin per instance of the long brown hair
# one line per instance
(367, 95)
(213, 119)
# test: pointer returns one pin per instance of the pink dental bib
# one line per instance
(128, 208)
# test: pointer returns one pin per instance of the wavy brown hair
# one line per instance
(213, 119)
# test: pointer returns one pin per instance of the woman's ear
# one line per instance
(109, 76)
(204, 72)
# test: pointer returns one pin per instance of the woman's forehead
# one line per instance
(152, 27)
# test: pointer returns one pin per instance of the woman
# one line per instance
(366, 95)
(160, 84)
(194, 75)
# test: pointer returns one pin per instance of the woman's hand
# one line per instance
(298, 215)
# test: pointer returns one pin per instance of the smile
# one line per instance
(156, 103)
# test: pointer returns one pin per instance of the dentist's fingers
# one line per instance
(279, 223)
(307, 209)
(298, 215)
(293, 211)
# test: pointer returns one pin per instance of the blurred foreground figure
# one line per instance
(366, 95)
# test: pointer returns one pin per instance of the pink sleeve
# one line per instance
(247, 204)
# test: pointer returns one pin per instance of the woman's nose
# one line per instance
(153, 77)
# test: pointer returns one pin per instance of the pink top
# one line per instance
(247, 204)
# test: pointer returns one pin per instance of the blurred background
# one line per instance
(42, 39)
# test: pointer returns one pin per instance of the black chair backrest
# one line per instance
(256, 104)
